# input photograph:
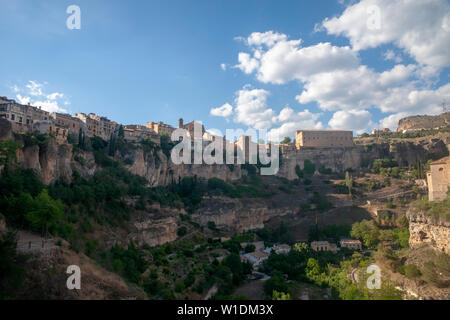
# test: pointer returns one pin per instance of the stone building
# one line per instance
(67, 121)
(323, 138)
(255, 258)
(90, 122)
(321, 246)
(136, 133)
(21, 116)
(351, 244)
(160, 127)
(249, 148)
(438, 179)
(195, 129)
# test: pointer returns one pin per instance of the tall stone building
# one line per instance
(323, 138)
(21, 116)
(160, 127)
(65, 120)
(438, 179)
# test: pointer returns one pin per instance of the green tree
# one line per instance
(46, 212)
(286, 140)
(280, 295)
(233, 261)
(8, 151)
(11, 274)
(349, 183)
(121, 133)
(275, 283)
(367, 231)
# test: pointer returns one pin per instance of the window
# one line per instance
(13, 117)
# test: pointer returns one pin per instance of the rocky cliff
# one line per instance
(405, 151)
(426, 229)
(238, 214)
(424, 122)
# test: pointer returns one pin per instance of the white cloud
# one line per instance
(34, 88)
(356, 120)
(246, 63)
(391, 55)
(397, 75)
(364, 88)
(292, 121)
(268, 38)
(224, 111)
(33, 94)
(420, 27)
(251, 108)
(285, 60)
(55, 95)
(391, 121)
(223, 66)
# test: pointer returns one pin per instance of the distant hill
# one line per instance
(424, 122)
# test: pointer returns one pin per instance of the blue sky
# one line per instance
(277, 65)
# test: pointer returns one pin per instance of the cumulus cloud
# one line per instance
(420, 27)
(223, 66)
(251, 108)
(356, 120)
(35, 95)
(292, 121)
(364, 88)
(391, 55)
(284, 60)
(391, 121)
(246, 63)
(334, 77)
(224, 111)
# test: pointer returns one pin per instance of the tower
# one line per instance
(180, 123)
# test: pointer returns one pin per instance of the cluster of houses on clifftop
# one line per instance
(27, 119)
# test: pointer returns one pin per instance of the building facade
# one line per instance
(160, 127)
(323, 138)
(21, 116)
(67, 121)
(351, 244)
(137, 133)
(438, 179)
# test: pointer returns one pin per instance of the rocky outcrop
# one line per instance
(50, 161)
(160, 171)
(155, 232)
(425, 229)
(237, 214)
(424, 122)
(405, 151)
(337, 159)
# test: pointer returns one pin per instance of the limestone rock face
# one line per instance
(155, 232)
(337, 159)
(425, 229)
(424, 122)
(161, 171)
(236, 214)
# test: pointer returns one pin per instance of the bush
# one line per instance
(182, 231)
